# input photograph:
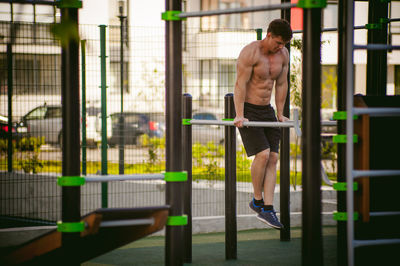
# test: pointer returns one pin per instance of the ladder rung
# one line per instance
(384, 213)
(377, 111)
(374, 173)
(375, 242)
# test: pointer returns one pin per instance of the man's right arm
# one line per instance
(244, 69)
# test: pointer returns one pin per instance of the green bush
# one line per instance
(30, 144)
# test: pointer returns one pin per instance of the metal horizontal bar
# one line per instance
(246, 124)
(394, 19)
(31, 2)
(236, 10)
(375, 173)
(328, 123)
(377, 111)
(130, 222)
(376, 214)
(108, 178)
(254, 123)
(376, 46)
(333, 29)
(375, 242)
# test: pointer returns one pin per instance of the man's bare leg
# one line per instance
(258, 168)
(270, 179)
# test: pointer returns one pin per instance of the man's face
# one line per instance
(275, 43)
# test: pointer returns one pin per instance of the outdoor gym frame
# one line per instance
(312, 225)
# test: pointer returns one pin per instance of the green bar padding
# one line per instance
(342, 115)
(186, 121)
(177, 220)
(70, 181)
(71, 227)
(343, 139)
(171, 15)
(69, 4)
(227, 119)
(384, 20)
(259, 34)
(311, 3)
(373, 26)
(342, 216)
(342, 186)
(175, 176)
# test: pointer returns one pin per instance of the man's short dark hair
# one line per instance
(281, 27)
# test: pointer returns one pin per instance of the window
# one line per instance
(251, 20)
(329, 86)
(397, 79)
(37, 113)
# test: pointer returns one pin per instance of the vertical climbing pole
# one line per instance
(83, 74)
(311, 138)
(230, 182)
(71, 213)
(173, 84)
(343, 53)
(104, 161)
(285, 154)
(10, 70)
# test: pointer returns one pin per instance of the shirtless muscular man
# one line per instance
(261, 65)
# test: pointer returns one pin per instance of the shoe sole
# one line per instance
(267, 223)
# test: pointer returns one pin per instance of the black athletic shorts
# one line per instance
(256, 139)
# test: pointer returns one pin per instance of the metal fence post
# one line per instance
(285, 156)
(311, 139)
(230, 182)
(71, 165)
(9, 95)
(173, 151)
(187, 166)
(83, 74)
(104, 170)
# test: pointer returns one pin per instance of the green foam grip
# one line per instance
(342, 115)
(70, 181)
(175, 176)
(227, 119)
(342, 186)
(69, 3)
(373, 26)
(343, 139)
(70, 227)
(342, 216)
(177, 220)
(171, 15)
(311, 3)
(186, 121)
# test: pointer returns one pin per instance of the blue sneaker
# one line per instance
(269, 217)
(254, 207)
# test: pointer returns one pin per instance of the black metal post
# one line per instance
(341, 129)
(377, 60)
(187, 166)
(311, 125)
(9, 95)
(285, 155)
(121, 146)
(70, 130)
(173, 83)
(230, 182)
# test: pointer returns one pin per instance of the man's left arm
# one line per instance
(281, 87)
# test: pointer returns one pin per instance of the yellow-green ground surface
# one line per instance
(254, 247)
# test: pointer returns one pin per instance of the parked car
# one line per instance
(136, 125)
(44, 121)
(93, 126)
(4, 129)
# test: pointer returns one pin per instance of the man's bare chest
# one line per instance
(268, 67)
